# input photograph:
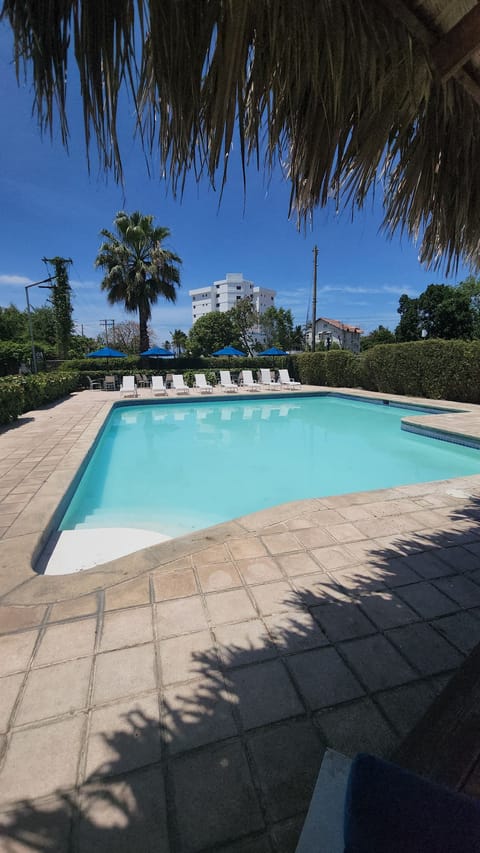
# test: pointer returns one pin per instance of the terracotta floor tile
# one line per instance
(427, 600)
(180, 616)
(404, 706)
(358, 727)
(386, 609)
(230, 606)
(334, 557)
(218, 576)
(67, 641)
(85, 605)
(123, 673)
(294, 632)
(281, 543)
(259, 570)
(16, 651)
(299, 563)
(177, 584)
(227, 783)
(314, 537)
(54, 690)
(215, 554)
(342, 621)
(275, 597)
(195, 716)
(15, 618)
(287, 759)
(129, 594)
(425, 648)
(376, 662)
(323, 678)
(461, 629)
(311, 590)
(41, 760)
(345, 532)
(126, 628)
(125, 815)
(460, 589)
(187, 657)
(123, 736)
(9, 689)
(263, 694)
(244, 642)
(245, 548)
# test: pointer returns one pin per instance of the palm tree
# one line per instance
(179, 340)
(138, 269)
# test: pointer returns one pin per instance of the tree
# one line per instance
(44, 326)
(381, 335)
(13, 324)
(471, 288)
(126, 337)
(179, 340)
(445, 312)
(210, 332)
(409, 327)
(277, 326)
(244, 319)
(61, 301)
(138, 268)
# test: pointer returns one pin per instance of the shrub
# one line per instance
(20, 394)
(438, 369)
(340, 369)
(310, 368)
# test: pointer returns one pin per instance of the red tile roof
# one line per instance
(343, 326)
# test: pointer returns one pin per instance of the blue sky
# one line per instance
(52, 206)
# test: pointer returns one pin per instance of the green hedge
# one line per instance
(447, 370)
(19, 394)
(438, 369)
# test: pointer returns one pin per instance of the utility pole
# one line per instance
(314, 300)
(108, 324)
(44, 286)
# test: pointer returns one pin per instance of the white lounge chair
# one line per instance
(266, 378)
(285, 379)
(249, 382)
(226, 382)
(128, 387)
(179, 385)
(158, 385)
(202, 385)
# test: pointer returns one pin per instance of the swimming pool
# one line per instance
(181, 466)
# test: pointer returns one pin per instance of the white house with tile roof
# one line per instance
(331, 332)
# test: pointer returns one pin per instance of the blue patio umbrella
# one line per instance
(273, 351)
(158, 352)
(229, 351)
(106, 352)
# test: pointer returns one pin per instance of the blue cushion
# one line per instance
(389, 810)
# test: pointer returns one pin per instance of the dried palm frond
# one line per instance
(339, 91)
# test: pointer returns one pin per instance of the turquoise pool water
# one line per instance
(179, 467)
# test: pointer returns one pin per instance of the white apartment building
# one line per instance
(224, 294)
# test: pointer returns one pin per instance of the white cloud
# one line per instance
(15, 279)
(396, 290)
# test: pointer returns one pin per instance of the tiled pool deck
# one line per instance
(180, 699)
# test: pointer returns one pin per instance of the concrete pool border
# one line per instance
(29, 527)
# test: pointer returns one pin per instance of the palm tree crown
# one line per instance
(138, 269)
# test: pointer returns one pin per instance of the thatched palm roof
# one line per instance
(345, 93)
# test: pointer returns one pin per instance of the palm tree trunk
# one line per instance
(142, 320)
